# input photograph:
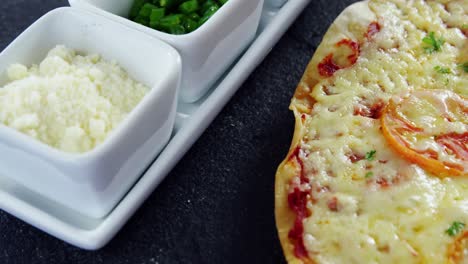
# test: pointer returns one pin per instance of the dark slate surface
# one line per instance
(217, 205)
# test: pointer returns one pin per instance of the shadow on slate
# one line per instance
(217, 205)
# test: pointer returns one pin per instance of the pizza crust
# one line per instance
(283, 214)
(352, 24)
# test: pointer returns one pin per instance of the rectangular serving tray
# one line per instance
(192, 119)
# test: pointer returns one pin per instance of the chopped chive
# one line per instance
(206, 6)
(442, 70)
(177, 30)
(190, 25)
(203, 20)
(157, 14)
(172, 24)
(174, 16)
(171, 20)
(370, 155)
(464, 66)
(432, 44)
(211, 10)
(189, 7)
(455, 228)
(142, 20)
(169, 3)
(145, 11)
(137, 5)
(194, 16)
(208, 13)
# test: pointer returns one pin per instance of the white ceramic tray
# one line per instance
(192, 120)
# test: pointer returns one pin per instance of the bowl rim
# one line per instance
(32, 145)
(206, 28)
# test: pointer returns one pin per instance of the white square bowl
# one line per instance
(206, 52)
(92, 183)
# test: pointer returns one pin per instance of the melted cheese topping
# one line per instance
(385, 209)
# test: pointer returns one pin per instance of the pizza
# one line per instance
(377, 171)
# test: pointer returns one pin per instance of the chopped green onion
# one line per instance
(222, 2)
(369, 174)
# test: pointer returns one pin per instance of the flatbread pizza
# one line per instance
(377, 171)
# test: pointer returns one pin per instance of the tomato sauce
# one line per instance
(355, 157)
(354, 46)
(374, 111)
(333, 204)
(327, 67)
(372, 29)
(297, 201)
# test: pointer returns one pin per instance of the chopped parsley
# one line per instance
(442, 70)
(464, 66)
(369, 174)
(455, 228)
(370, 156)
(432, 44)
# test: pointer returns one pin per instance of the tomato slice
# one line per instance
(429, 128)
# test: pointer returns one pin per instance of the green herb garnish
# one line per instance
(432, 44)
(370, 156)
(465, 26)
(455, 228)
(442, 70)
(369, 174)
(464, 66)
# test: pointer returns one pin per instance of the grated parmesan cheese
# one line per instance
(70, 102)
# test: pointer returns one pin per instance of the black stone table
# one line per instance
(217, 205)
